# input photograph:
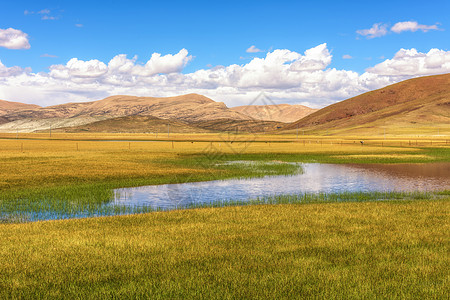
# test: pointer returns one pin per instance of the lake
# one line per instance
(315, 178)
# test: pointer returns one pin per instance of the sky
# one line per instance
(313, 53)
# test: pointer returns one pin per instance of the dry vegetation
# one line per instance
(348, 250)
(377, 249)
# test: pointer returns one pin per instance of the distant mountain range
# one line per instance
(424, 100)
(190, 112)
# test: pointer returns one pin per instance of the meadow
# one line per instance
(329, 246)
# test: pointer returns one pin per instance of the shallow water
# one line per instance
(325, 178)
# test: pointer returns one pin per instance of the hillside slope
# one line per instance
(418, 101)
(186, 108)
(281, 112)
(135, 124)
(191, 107)
(9, 107)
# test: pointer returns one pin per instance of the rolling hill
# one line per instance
(135, 124)
(285, 113)
(9, 107)
(186, 113)
(423, 101)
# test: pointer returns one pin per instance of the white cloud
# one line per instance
(47, 17)
(347, 56)
(45, 14)
(7, 72)
(79, 25)
(45, 11)
(316, 58)
(412, 26)
(410, 62)
(377, 30)
(13, 39)
(49, 55)
(120, 68)
(79, 69)
(285, 76)
(253, 49)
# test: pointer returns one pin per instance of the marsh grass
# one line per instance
(342, 246)
(52, 178)
(358, 250)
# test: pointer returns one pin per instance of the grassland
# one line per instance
(394, 248)
(76, 172)
(339, 250)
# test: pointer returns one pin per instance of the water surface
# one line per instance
(323, 178)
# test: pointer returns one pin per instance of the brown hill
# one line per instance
(186, 108)
(135, 124)
(281, 113)
(423, 100)
(191, 107)
(252, 126)
(8, 107)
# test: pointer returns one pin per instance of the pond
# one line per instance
(315, 178)
(312, 179)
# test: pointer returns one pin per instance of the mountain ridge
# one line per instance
(424, 100)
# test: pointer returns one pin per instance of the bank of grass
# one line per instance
(366, 250)
(70, 176)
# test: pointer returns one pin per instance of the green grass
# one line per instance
(91, 199)
(60, 182)
(359, 250)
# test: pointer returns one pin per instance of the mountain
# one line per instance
(186, 108)
(281, 112)
(413, 102)
(8, 107)
(135, 124)
(191, 107)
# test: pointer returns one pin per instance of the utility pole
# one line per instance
(297, 132)
(168, 130)
(50, 130)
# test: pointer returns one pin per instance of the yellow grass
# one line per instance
(346, 250)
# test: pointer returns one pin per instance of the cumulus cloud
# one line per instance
(410, 62)
(79, 69)
(316, 58)
(412, 26)
(120, 65)
(253, 49)
(7, 72)
(285, 76)
(347, 56)
(377, 30)
(14, 39)
(380, 29)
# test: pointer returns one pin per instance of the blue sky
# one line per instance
(214, 34)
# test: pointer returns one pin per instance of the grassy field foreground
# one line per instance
(334, 250)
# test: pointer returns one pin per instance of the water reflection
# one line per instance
(328, 178)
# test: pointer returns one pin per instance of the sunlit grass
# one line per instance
(362, 245)
(383, 249)
(76, 177)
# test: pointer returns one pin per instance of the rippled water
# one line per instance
(327, 178)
